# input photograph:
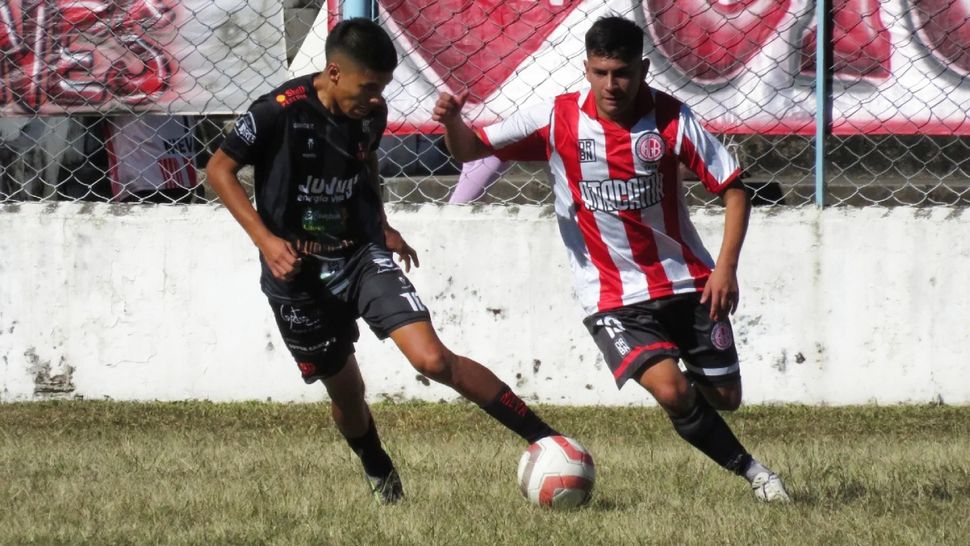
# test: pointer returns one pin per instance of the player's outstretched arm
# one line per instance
(280, 256)
(460, 139)
(722, 287)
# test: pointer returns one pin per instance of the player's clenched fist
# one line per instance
(448, 107)
(281, 258)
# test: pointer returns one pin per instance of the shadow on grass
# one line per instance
(607, 504)
(855, 491)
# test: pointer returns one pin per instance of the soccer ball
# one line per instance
(557, 472)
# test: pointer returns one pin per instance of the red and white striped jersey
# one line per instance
(621, 207)
(148, 153)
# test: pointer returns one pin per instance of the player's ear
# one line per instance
(645, 64)
(332, 72)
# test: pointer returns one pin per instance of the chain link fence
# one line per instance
(77, 126)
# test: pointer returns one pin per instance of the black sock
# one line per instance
(704, 429)
(376, 461)
(511, 411)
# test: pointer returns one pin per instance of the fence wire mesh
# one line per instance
(124, 100)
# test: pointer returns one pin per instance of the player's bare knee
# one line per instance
(435, 363)
(724, 399)
(672, 397)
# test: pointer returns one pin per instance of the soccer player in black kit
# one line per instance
(326, 247)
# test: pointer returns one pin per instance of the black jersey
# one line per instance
(312, 178)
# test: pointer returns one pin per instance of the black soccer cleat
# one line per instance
(387, 489)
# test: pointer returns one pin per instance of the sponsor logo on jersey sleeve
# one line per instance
(289, 96)
(246, 128)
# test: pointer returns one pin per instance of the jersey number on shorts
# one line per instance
(612, 325)
(413, 299)
(613, 328)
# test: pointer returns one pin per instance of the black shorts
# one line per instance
(635, 336)
(320, 332)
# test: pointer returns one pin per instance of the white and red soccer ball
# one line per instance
(557, 472)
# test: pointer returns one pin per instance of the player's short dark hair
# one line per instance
(614, 37)
(365, 42)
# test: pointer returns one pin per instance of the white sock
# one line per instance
(754, 468)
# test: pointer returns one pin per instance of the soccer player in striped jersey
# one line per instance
(651, 290)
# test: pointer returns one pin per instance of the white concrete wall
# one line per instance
(841, 306)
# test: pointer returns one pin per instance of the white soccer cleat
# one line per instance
(767, 487)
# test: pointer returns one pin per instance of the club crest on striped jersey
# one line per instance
(650, 147)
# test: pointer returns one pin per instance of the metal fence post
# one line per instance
(358, 8)
(821, 69)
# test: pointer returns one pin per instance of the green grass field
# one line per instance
(203, 473)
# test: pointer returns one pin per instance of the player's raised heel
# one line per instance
(387, 489)
(767, 487)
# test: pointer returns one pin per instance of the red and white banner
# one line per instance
(745, 66)
(178, 56)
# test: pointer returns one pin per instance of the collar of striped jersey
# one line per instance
(644, 102)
